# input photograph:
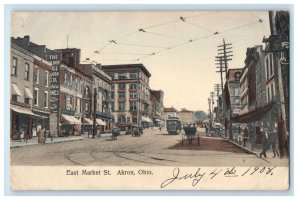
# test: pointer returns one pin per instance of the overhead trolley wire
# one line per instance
(164, 48)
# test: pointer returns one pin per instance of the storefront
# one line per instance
(87, 126)
(21, 122)
(146, 122)
(69, 125)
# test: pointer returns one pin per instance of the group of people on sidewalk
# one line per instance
(268, 139)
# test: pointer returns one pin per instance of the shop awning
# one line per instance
(71, 119)
(28, 93)
(253, 115)
(146, 119)
(15, 90)
(88, 121)
(100, 122)
(21, 110)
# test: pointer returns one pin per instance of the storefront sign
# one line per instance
(55, 88)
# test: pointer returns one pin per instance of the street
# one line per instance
(151, 149)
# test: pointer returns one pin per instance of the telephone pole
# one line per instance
(224, 55)
(217, 89)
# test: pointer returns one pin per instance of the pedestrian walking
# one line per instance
(265, 143)
(273, 141)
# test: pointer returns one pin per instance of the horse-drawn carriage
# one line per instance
(134, 130)
(190, 133)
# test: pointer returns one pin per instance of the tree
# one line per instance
(200, 115)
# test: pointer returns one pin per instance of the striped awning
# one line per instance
(21, 110)
(70, 119)
(146, 119)
(100, 122)
(28, 93)
(88, 121)
(15, 90)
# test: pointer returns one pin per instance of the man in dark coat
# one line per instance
(265, 143)
(273, 142)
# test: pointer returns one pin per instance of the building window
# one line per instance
(86, 106)
(14, 98)
(121, 86)
(121, 95)
(27, 71)
(14, 66)
(113, 87)
(66, 78)
(271, 65)
(237, 76)
(36, 97)
(121, 106)
(133, 86)
(36, 75)
(112, 95)
(128, 119)
(122, 76)
(133, 75)
(87, 92)
(121, 119)
(132, 105)
(46, 100)
(113, 106)
(46, 78)
(26, 100)
(133, 95)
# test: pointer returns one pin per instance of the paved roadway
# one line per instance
(151, 149)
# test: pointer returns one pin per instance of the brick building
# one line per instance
(130, 94)
(157, 105)
(21, 87)
(101, 100)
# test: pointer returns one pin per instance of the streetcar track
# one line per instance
(116, 154)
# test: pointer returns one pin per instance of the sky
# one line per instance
(184, 70)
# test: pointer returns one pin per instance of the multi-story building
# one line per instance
(130, 94)
(39, 75)
(156, 99)
(41, 91)
(21, 76)
(277, 60)
(186, 116)
(75, 95)
(102, 102)
(169, 112)
(232, 105)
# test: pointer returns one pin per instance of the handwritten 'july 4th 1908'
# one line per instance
(199, 174)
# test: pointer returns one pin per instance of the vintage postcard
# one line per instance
(150, 100)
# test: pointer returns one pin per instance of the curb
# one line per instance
(79, 139)
(249, 151)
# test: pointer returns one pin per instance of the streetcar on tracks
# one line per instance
(173, 125)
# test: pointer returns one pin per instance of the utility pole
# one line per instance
(217, 89)
(95, 109)
(224, 55)
(212, 106)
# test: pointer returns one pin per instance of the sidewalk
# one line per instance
(34, 141)
(256, 150)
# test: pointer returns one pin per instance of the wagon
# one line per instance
(115, 133)
(190, 131)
